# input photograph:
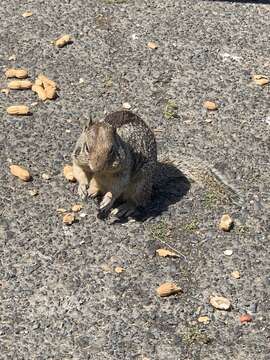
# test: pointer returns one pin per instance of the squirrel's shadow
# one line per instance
(171, 186)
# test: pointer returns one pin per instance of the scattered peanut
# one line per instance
(16, 73)
(45, 81)
(62, 41)
(40, 92)
(50, 92)
(119, 269)
(68, 173)
(167, 289)
(20, 84)
(20, 172)
(18, 110)
(44, 87)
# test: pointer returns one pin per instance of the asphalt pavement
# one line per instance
(61, 294)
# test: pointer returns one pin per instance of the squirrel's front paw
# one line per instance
(106, 203)
(92, 193)
(82, 191)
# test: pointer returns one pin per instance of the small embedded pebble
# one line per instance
(228, 252)
(46, 176)
(220, 302)
(203, 319)
(33, 192)
(245, 318)
(83, 215)
(61, 210)
(27, 14)
(235, 274)
(226, 222)
(253, 308)
(12, 57)
(126, 106)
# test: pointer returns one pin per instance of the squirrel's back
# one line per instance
(135, 133)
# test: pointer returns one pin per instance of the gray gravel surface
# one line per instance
(60, 296)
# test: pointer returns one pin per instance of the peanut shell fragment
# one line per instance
(68, 219)
(27, 14)
(210, 105)
(203, 319)
(20, 84)
(20, 172)
(76, 207)
(18, 110)
(16, 73)
(236, 274)
(226, 222)
(165, 253)
(260, 80)
(152, 45)
(39, 90)
(62, 41)
(167, 289)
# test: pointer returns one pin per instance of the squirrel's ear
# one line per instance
(86, 122)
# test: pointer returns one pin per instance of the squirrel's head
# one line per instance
(100, 147)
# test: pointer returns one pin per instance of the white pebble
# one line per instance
(227, 252)
(126, 105)
(46, 176)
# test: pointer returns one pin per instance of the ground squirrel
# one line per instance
(116, 158)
